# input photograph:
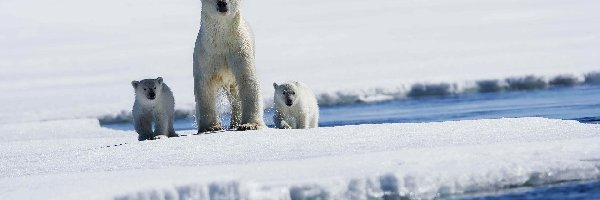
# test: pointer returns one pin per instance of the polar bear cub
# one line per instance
(295, 106)
(154, 104)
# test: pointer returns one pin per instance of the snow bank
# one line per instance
(530, 82)
(592, 78)
(421, 160)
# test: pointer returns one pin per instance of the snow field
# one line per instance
(68, 59)
(66, 63)
(421, 160)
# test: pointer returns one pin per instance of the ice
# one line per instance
(592, 78)
(54, 130)
(565, 80)
(67, 67)
(380, 94)
(417, 160)
(526, 83)
(441, 89)
(73, 58)
(491, 85)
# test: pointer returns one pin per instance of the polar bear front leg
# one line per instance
(172, 132)
(161, 125)
(314, 121)
(279, 121)
(207, 117)
(236, 107)
(302, 122)
(143, 126)
(249, 92)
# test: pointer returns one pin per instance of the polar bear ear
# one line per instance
(275, 85)
(159, 80)
(135, 84)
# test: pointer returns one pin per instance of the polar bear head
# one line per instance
(285, 93)
(148, 88)
(221, 7)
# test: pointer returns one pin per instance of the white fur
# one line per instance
(159, 111)
(224, 59)
(302, 114)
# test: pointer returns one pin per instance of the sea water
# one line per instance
(580, 103)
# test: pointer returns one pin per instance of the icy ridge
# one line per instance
(410, 179)
(417, 90)
(388, 186)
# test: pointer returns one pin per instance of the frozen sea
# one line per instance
(419, 100)
(579, 103)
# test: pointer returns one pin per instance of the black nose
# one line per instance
(152, 95)
(222, 6)
(288, 102)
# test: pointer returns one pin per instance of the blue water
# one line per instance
(580, 103)
(576, 190)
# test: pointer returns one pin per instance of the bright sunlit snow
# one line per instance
(77, 58)
(415, 160)
(67, 63)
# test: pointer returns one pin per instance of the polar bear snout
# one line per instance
(151, 95)
(289, 99)
(222, 6)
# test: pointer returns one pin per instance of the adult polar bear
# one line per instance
(224, 59)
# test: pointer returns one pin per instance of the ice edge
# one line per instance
(418, 90)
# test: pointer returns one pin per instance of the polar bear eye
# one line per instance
(144, 89)
(154, 88)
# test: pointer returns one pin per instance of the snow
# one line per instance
(420, 160)
(79, 57)
(67, 63)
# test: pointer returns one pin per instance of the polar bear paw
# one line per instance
(285, 126)
(158, 137)
(249, 126)
(210, 129)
